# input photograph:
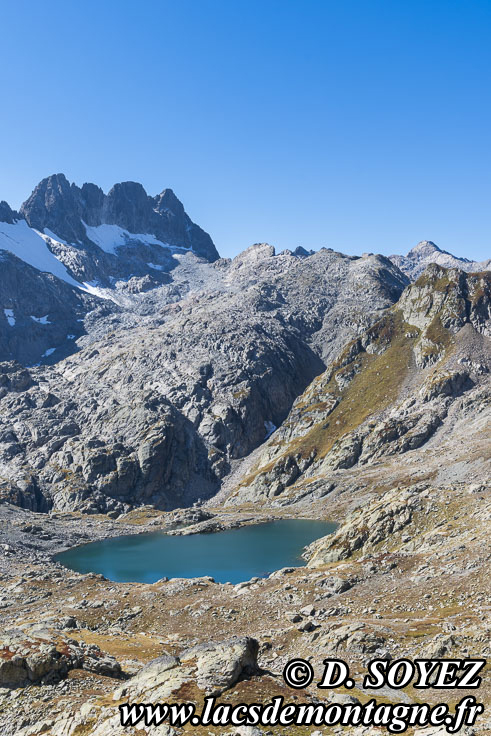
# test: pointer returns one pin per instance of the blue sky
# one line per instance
(361, 125)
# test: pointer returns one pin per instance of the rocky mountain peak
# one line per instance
(126, 205)
(301, 251)
(424, 248)
(92, 198)
(427, 252)
(167, 201)
(65, 209)
(253, 254)
(7, 214)
(54, 205)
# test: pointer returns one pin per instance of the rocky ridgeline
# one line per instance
(387, 393)
(426, 253)
(154, 410)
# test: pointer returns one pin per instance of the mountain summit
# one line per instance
(67, 210)
(426, 252)
(68, 246)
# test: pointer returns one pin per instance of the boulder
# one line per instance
(220, 664)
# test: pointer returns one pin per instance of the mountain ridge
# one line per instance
(93, 234)
(70, 239)
(388, 392)
(426, 251)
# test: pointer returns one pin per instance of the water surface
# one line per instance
(229, 556)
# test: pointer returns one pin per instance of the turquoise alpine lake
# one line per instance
(230, 556)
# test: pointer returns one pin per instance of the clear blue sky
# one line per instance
(362, 125)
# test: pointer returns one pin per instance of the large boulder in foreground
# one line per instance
(213, 667)
(220, 664)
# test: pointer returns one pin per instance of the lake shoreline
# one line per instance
(233, 555)
(32, 538)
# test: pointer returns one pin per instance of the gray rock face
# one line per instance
(426, 252)
(54, 204)
(220, 664)
(8, 215)
(366, 528)
(63, 208)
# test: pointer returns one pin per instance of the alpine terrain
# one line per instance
(146, 384)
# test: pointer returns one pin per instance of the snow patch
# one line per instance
(41, 320)
(112, 237)
(94, 288)
(270, 428)
(70, 337)
(155, 266)
(48, 352)
(30, 246)
(9, 313)
(50, 235)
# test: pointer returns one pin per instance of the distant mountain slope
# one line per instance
(18, 238)
(427, 252)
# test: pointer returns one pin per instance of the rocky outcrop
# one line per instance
(94, 460)
(219, 665)
(213, 667)
(366, 527)
(440, 303)
(209, 669)
(27, 659)
(7, 214)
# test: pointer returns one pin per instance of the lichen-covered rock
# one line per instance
(45, 658)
